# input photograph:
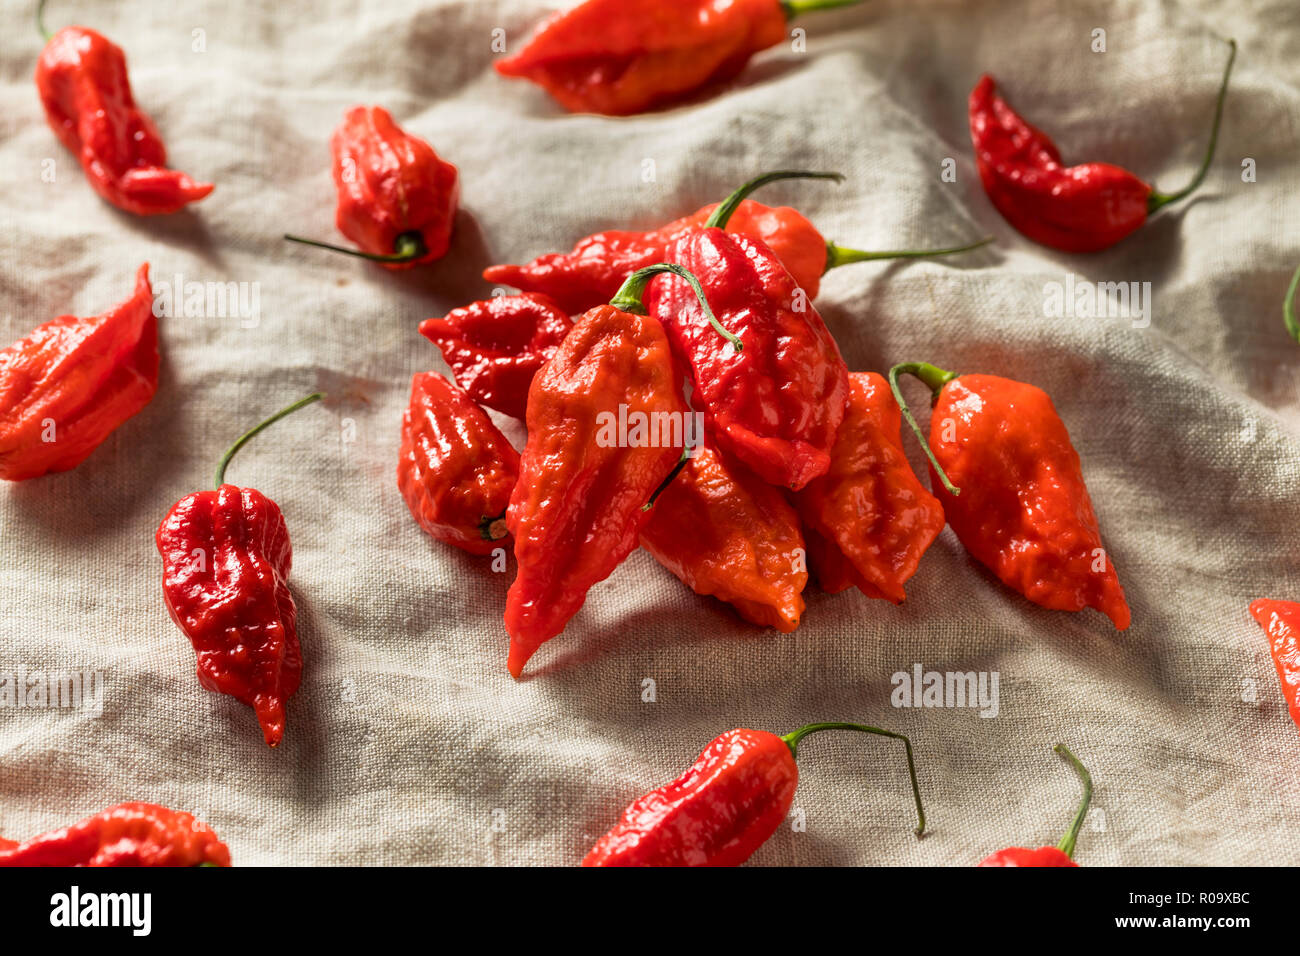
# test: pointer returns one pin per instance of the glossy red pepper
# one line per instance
(397, 198)
(871, 518)
(82, 81)
(1081, 208)
(1023, 510)
(226, 560)
(455, 470)
(1062, 854)
(70, 383)
(496, 346)
(626, 56)
(584, 480)
(725, 806)
(1281, 622)
(129, 834)
(597, 266)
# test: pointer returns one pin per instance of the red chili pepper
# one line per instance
(67, 386)
(496, 346)
(226, 559)
(1023, 510)
(129, 834)
(1281, 622)
(456, 470)
(619, 57)
(871, 518)
(725, 806)
(725, 532)
(1062, 853)
(82, 80)
(598, 265)
(397, 198)
(580, 502)
(1081, 208)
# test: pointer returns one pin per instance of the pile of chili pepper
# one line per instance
(129, 834)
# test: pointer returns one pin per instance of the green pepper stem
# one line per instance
(722, 215)
(936, 378)
(630, 294)
(244, 439)
(1157, 200)
(668, 479)
(792, 741)
(839, 256)
(40, 20)
(409, 245)
(1288, 307)
(1066, 845)
(493, 527)
(796, 8)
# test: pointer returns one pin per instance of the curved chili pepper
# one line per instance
(1281, 622)
(496, 346)
(129, 834)
(226, 560)
(1288, 307)
(724, 532)
(619, 57)
(83, 84)
(724, 807)
(871, 517)
(1023, 510)
(70, 383)
(579, 505)
(397, 198)
(455, 470)
(1061, 854)
(594, 269)
(1082, 208)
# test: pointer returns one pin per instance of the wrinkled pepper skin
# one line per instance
(456, 470)
(1021, 856)
(129, 834)
(777, 405)
(576, 511)
(1281, 622)
(872, 517)
(725, 532)
(226, 560)
(76, 380)
(593, 270)
(715, 814)
(496, 346)
(82, 81)
(1024, 511)
(391, 184)
(619, 57)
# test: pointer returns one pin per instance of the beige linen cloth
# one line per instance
(408, 742)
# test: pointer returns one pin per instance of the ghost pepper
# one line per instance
(70, 383)
(1281, 622)
(1063, 853)
(129, 834)
(226, 560)
(1012, 488)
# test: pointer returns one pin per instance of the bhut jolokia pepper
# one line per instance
(226, 560)
(594, 269)
(68, 385)
(727, 533)
(82, 81)
(1022, 510)
(129, 834)
(397, 198)
(496, 346)
(1062, 854)
(455, 469)
(870, 519)
(1281, 622)
(619, 57)
(725, 806)
(1082, 208)
(585, 478)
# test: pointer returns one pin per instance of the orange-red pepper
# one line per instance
(1063, 853)
(66, 386)
(1281, 622)
(129, 834)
